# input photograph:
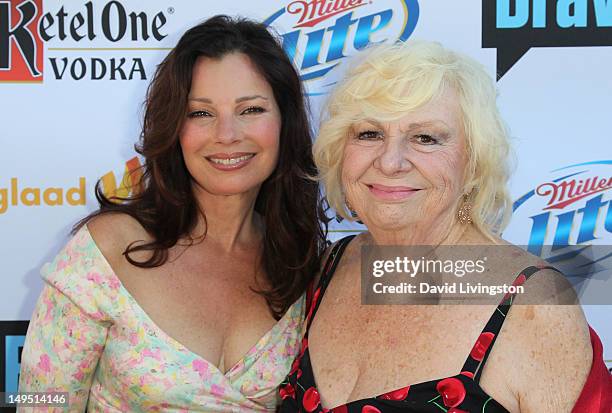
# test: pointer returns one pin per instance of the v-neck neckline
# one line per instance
(174, 342)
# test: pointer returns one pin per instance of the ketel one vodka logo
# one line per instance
(571, 209)
(319, 34)
(21, 46)
(79, 30)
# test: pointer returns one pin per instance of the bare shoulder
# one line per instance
(551, 356)
(551, 346)
(113, 232)
(544, 348)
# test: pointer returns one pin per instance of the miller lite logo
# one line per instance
(318, 34)
(570, 209)
(21, 47)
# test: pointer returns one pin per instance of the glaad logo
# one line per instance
(318, 34)
(15, 195)
(130, 183)
(25, 29)
(515, 26)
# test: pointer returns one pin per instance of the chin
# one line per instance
(231, 190)
(231, 186)
(385, 224)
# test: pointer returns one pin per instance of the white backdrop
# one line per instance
(66, 130)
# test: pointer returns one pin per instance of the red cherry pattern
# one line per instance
(311, 399)
(399, 394)
(452, 391)
(468, 374)
(482, 345)
(287, 391)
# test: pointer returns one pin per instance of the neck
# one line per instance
(229, 220)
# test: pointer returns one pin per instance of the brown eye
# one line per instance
(424, 139)
(198, 114)
(369, 135)
(253, 109)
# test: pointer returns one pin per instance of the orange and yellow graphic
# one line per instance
(130, 183)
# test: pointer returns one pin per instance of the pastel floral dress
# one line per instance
(90, 338)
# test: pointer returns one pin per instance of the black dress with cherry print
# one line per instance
(457, 394)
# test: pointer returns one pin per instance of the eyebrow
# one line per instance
(413, 125)
(371, 121)
(240, 99)
(429, 123)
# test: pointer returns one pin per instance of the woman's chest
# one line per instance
(210, 310)
(360, 351)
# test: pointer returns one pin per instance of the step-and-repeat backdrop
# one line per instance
(73, 75)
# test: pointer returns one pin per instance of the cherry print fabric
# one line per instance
(457, 394)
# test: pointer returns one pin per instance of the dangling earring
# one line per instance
(465, 211)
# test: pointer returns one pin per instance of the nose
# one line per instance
(393, 157)
(227, 129)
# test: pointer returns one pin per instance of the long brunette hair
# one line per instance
(289, 200)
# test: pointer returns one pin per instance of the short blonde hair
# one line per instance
(391, 80)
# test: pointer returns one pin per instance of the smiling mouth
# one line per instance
(229, 161)
(392, 193)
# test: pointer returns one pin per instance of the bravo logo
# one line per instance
(515, 26)
(319, 34)
(78, 30)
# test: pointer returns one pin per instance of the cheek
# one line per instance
(191, 137)
(266, 132)
(445, 170)
(269, 137)
(355, 162)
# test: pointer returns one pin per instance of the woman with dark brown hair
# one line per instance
(188, 294)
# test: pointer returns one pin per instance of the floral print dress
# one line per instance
(90, 338)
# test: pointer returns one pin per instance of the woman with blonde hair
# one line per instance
(413, 146)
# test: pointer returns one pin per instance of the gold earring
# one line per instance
(465, 211)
